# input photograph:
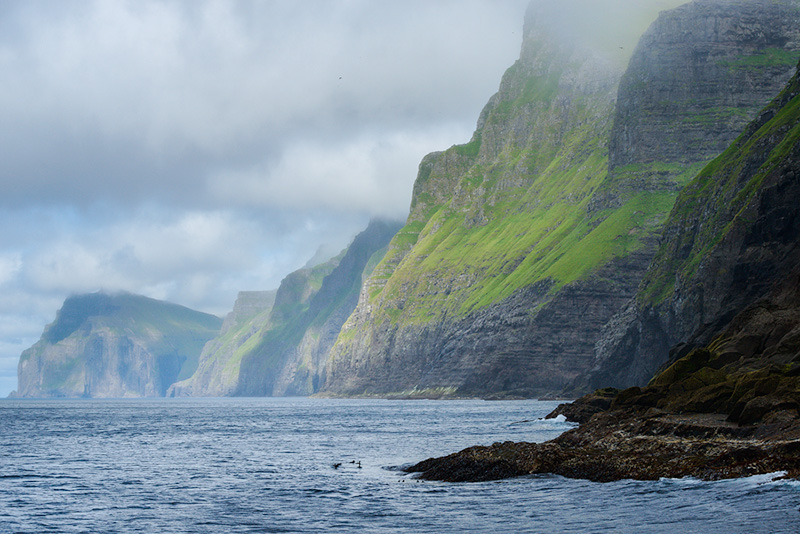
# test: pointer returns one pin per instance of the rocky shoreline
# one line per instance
(619, 440)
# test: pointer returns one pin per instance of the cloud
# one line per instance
(190, 149)
(198, 258)
(126, 101)
(370, 173)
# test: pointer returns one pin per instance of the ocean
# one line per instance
(319, 465)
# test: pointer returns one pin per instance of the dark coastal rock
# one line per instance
(633, 443)
(582, 409)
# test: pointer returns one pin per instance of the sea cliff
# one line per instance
(522, 244)
(728, 403)
(114, 345)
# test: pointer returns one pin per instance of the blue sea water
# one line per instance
(266, 465)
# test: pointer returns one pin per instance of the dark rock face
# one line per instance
(698, 76)
(731, 243)
(671, 106)
(582, 410)
(114, 346)
(503, 350)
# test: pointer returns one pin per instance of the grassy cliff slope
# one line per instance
(523, 242)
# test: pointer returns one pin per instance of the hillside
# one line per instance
(729, 403)
(276, 343)
(217, 372)
(523, 243)
(287, 356)
(115, 345)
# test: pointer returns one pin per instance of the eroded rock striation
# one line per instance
(115, 345)
(522, 244)
(715, 260)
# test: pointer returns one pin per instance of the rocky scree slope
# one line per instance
(729, 403)
(119, 345)
(523, 243)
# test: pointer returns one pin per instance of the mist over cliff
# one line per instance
(523, 243)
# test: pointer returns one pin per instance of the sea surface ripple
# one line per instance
(270, 465)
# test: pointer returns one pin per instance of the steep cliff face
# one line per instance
(697, 77)
(261, 357)
(115, 346)
(728, 276)
(304, 370)
(217, 372)
(725, 277)
(523, 243)
(684, 58)
(281, 351)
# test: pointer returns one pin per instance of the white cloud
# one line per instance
(131, 100)
(371, 173)
(10, 266)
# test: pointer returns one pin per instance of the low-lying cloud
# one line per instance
(130, 101)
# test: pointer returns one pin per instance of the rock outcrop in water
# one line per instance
(118, 345)
(522, 244)
(728, 275)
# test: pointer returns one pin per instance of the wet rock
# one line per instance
(632, 444)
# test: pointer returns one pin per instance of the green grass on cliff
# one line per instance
(770, 57)
(512, 207)
(467, 256)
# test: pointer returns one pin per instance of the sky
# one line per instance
(188, 150)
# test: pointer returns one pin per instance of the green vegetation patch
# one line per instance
(470, 149)
(770, 57)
